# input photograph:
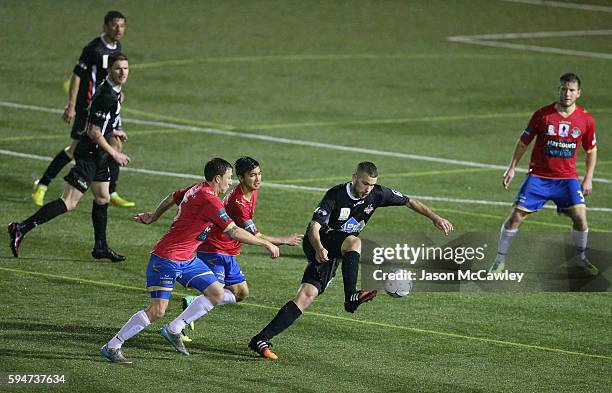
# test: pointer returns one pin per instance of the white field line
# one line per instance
(562, 4)
(491, 40)
(293, 186)
(275, 139)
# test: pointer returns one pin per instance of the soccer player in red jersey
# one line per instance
(172, 258)
(219, 251)
(559, 128)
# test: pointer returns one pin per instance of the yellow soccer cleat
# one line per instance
(116, 200)
(38, 196)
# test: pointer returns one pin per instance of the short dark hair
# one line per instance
(117, 56)
(569, 77)
(244, 165)
(110, 15)
(214, 167)
(367, 167)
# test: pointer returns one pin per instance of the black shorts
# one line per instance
(317, 273)
(79, 126)
(90, 168)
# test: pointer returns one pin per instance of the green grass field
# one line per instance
(379, 77)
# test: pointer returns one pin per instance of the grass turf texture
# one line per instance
(368, 74)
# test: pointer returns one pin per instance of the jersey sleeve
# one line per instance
(392, 198)
(325, 207)
(214, 211)
(178, 195)
(84, 63)
(241, 215)
(532, 128)
(99, 110)
(589, 141)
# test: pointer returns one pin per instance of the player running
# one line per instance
(331, 236)
(219, 251)
(173, 258)
(559, 129)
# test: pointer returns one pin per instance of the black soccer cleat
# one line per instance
(358, 298)
(262, 347)
(16, 238)
(107, 253)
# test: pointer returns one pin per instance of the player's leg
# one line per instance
(160, 283)
(116, 200)
(351, 253)
(68, 201)
(99, 219)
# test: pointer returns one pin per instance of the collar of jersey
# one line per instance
(108, 44)
(117, 88)
(348, 191)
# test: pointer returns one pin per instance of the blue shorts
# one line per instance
(225, 267)
(536, 191)
(161, 274)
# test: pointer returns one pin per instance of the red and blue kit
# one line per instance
(200, 210)
(241, 210)
(558, 140)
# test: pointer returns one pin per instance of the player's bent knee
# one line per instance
(351, 243)
(155, 312)
(306, 296)
(102, 200)
(242, 294)
(214, 293)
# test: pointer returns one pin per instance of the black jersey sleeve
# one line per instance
(85, 62)
(99, 110)
(325, 207)
(392, 198)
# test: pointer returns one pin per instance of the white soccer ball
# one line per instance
(398, 283)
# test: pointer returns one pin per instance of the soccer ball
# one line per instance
(398, 283)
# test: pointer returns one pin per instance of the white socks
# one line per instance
(505, 240)
(580, 239)
(197, 309)
(228, 297)
(132, 327)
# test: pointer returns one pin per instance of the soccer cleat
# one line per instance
(358, 298)
(114, 355)
(262, 347)
(186, 338)
(116, 200)
(38, 196)
(16, 238)
(497, 267)
(107, 253)
(174, 339)
(587, 267)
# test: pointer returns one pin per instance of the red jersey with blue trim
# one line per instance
(241, 210)
(558, 139)
(200, 210)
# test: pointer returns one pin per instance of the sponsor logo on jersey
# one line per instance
(575, 133)
(561, 149)
(399, 194)
(204, 234)
(551, 129)
(358, 203)
(369, 209)
(345, 212)
(564, 130)
(223, 215)
(320, 211)
(352, 226)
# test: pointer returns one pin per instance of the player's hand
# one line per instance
(587, 187)
(122, 159)
(120, 134)
(443, 225)
(321, 255)
(145, 218)
(274, 251)
(69, 113)
(293, 240)
(508, 176)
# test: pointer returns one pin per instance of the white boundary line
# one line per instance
(294, 186)
(562, 4)
(491, 40)
(245, 135)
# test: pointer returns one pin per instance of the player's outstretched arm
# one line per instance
(587, 180)
(315, 241)
(519, 150)
(439, 222)
(295, 239)
(151, 217)
(233, 231)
